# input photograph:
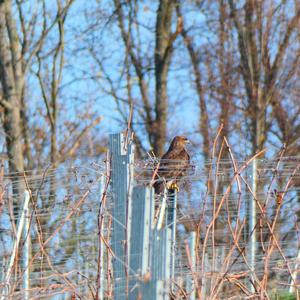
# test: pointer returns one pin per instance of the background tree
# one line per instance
(12, 81)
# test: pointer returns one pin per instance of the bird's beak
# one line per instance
(187, 141)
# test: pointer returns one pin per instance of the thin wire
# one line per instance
(77, 178)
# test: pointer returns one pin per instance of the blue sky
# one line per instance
(84, 88)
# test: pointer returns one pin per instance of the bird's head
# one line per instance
(180, 141)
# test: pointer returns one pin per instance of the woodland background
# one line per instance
(73, 71)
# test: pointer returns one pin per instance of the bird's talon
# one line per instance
(174, 186)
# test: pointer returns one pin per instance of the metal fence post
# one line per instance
(142, 199)
(131, 237)
(190, 280)
(160, 264)
(163, 250)
(122, 159)
(252, 219)
(172, 214)
(5, 290)
(27, 245)
(102, 268)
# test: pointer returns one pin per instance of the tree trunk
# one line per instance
(11, 103)
(163, 50)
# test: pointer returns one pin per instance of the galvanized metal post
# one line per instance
(172, 203)
(102, 268)
(131, 237)
(160, 264)
(190, 280)
(5, 290)
(163, 250)
(162, 213)
(27, 246)
(122, 159)
(252, 219)
(142, 200)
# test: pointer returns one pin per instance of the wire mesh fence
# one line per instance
(70, 247)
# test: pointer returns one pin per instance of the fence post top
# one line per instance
(119, 144)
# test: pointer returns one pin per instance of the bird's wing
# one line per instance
(165, 172)
(183, 164)
(168, 164)
(174, 164)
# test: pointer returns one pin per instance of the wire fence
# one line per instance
(68, 248)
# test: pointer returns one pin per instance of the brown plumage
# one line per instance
(174, 165)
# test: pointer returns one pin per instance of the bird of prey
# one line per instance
(173, 165)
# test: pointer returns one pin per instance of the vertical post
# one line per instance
(5, 290)
(163, 248)
(26, 251)
(252, 218)
(102, 246)
(140, 230)
(160, 253)
(162, 213)
(171, 223)
(142, 199)
(157, 258)
(172, 203)
(167, 256)
(190, 279)
(292, 288)
(122, 158)
(160, 264)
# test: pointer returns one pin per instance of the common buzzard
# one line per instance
(173, 165)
